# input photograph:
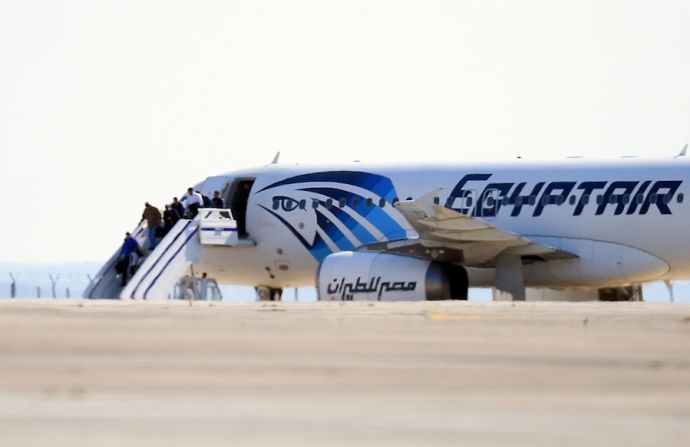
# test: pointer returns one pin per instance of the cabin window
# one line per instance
(276, 203)
(680, 197)
(639, 199)
(573, 199)
(626, 199)
(369, 203)
(613, 199)
(600, 199)
(303, 204)
(437, 200)
(395, 200)
(518, 201)
(341, 203)
(355, 202)
(382, 202)
(315, 203)
(409, 198)
(329, 204)
(532, 200)
(585, 199)
(667, 198)
(652, 198)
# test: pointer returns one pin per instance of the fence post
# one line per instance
(53, 281)
(13, 286)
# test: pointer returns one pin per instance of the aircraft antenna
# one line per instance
(683, 151)
(275, 159)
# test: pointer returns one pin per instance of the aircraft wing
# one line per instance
(447, 235)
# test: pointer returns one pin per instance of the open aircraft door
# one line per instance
(236, 198)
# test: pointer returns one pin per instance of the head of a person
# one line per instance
(128, 235)
(203, 275)
(174, 199)
(190, 191)
(167, 207)
(147, 204)
(216, 194)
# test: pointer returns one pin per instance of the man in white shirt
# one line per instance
(194, 201)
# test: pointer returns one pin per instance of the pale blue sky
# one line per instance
(105, 105)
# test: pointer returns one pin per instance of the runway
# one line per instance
(367, 374)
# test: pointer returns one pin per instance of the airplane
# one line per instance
(394, 232)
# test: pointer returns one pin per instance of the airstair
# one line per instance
(160, 271)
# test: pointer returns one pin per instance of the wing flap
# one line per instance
(445, 231)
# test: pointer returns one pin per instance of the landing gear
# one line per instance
(627, 293)
(510, 283)
(268, 293)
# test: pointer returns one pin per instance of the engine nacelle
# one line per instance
(361, 276)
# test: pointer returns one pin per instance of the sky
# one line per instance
(105, 105)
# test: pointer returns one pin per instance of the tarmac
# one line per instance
(76, 372)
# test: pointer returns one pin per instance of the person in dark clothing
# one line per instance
(170, 218)
(205, 201)
(217, 201)
(239, 208)
(153, 218)
(129, 246)
(177, 206)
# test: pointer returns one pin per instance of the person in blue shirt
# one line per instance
(129, 246)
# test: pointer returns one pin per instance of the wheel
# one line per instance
(276, 294)
(268, 293)
(628, 293)
(263, 293)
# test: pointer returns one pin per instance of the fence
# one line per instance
(17, 284)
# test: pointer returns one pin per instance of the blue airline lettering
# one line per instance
(618, 195)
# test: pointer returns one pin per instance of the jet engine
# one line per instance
(362, 276)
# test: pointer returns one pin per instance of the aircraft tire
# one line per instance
(627, 293)
(265, 293)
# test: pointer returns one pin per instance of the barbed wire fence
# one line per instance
(18, 284)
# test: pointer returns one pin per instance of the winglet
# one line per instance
(275, 159)
(683, 151)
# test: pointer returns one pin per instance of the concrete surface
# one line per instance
(355, 374)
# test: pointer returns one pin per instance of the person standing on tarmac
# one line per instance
(153, 220)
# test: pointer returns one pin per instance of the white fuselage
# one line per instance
(634, 214)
